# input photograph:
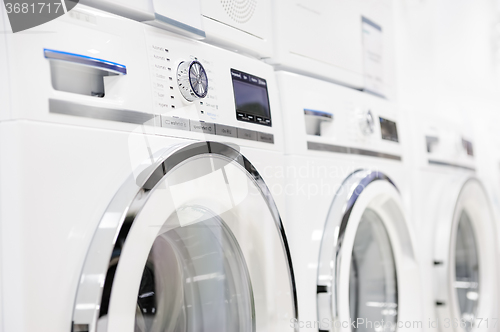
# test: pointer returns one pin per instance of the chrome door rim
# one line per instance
(332, 241)
(124, 208)
(469, 196)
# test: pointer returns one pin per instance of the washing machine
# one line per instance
(346, 42)
(450, 202)
(482, 113)
(352, 245)
(132, 197)
(453, 216)
(243, 26)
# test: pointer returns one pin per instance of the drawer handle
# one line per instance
(112, 68)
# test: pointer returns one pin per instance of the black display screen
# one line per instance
(389, 130)
(251, 98)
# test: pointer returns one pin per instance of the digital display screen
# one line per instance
(251, 98)
(389, 130)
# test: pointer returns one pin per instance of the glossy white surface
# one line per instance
(441, 171)
(487, 148)
(183, 18)
(241, 26)
(244, 26)
(314, 177)
(444, 91)
(326, 39)
(141, 10)
(146, 87)
(67, 169)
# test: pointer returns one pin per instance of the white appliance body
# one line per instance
(341, 177)
(347, 42)
(104, 161)
(138, 10)
(487, 151)
(180, 17)
(455, 224)
(241, 26)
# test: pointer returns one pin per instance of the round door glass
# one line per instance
(195, 279)
(466, 270)
(199, 249)
(373, 285)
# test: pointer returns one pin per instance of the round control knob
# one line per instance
(367, 123)
(192, 80)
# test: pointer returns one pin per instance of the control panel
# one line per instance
(440, 138)
(327, 117)
(202, 89)
(145, 79)
(452, 145)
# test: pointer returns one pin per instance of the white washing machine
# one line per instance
(483, 114)
(126, 207)
(343, 41)
(450, 203)
(455, 223)
(244, 26)
(352, 245)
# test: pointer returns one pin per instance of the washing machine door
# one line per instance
(193, 243)
(367, 272)
(465, 259)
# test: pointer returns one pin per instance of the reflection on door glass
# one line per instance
(372, 281)
(195, 280)
(466, 270)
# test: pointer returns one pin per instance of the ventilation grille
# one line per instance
(239, 10)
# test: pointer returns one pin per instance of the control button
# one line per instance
(174, 123)
(202, 127)
(265, 137)
(243, 117)
(247, 134)
(223, 130)
(235, 73)
(263, 121)
(247, 117)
